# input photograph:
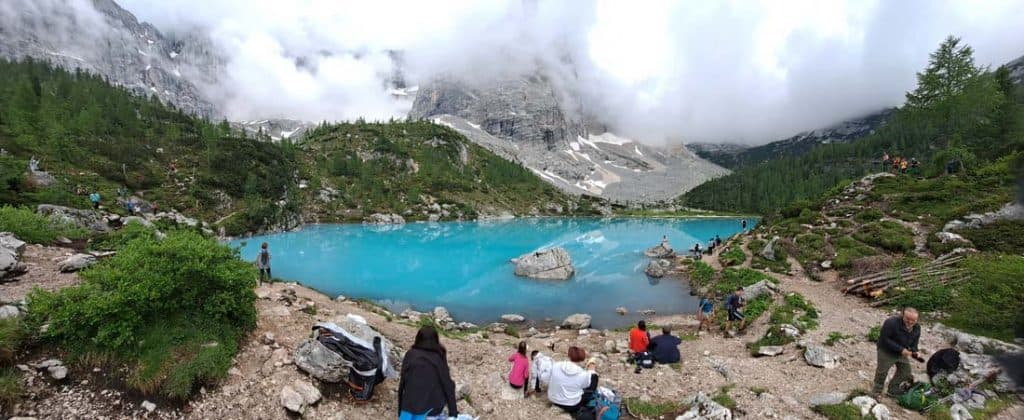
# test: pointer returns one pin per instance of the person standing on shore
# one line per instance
(897, 343)
(95, 199)
(263, 264)
(705, 313)
(734, 304)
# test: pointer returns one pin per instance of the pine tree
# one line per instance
(950, 69)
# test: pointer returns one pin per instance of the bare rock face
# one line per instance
(76, 262)
(657, 268)
(704, 408)
(385, 219)
(577, 321)
(816, 355)
(105, 39)
(10, 256)
(662, 250)
(548, 264)
(768, 252)
(88, 219)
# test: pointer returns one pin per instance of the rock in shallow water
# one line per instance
(548, 264)
(576, 321)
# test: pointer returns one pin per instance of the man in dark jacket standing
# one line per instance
(896, 344)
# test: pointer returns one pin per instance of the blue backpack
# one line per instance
(605, 408)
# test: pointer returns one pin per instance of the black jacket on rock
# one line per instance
(426, 385)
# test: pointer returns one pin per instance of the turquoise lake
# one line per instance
(464, 266)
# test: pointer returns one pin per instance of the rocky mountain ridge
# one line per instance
(734, 155)
(529, 120)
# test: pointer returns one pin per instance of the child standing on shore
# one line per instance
(520, 371)
(263, 264)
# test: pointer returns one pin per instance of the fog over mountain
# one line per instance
(658, 71)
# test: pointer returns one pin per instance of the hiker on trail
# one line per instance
(903, 166)
(263, 263)
(896, 165)
(943, 362)
(696, 251)
(885, 160)
(95, 199)
(711, 246)
(130, 207)
(666, 347)
(572, 387)
(520, 371)
(718, 240)
(426, 387)
(540, 371)
(897, 342)
(705, 313)
(734, 304)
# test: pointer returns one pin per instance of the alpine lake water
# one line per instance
(465, 267)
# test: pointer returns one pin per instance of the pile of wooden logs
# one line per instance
(942, 270)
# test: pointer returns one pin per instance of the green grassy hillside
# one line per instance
(94, 137)
(972, 115)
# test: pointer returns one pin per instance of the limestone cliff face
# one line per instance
(101, 37)
(529, 120)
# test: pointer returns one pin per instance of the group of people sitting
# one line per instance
(426, 390)
(901, 165)
(645, 351)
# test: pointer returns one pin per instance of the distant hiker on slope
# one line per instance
(705, 313)
(263, 264)
(897, 342)
(885, 160)
(426, 387)
(520, 371)
(95, 199)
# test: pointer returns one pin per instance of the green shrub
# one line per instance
(10, 387)
(512, 331)
(874, 333)
(835, 337)
(990, 303)
(1005, 236)
(732, 256)
(740, 277)
(843, 411)
(849, 249)
(12, 335)
(650, 410)
(773, 337)
(869, 215)
(114, 240)
(33, 228)
(701, 274)
(172, 311)
(888, 235)
(723, 398)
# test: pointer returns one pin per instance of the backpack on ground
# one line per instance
(917, 398)
(606, 403)
(645, 360)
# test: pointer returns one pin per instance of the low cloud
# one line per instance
(659, 71)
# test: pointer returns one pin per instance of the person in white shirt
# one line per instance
(540, 371)
(571, 387)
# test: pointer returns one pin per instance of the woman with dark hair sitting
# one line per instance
(520, 371)
(572, 387)
(426, 387)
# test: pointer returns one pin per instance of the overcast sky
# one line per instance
(742, 71)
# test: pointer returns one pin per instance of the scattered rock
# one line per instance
(441, 316)
(828, 398)
(959, 412)
(292, 400)
(655, 269)
(57, 372)
(789, 330)
(513, 318)
(881, 412)
(548, 264)
(763, 287)
(320, 362)
(770, 350)
(768, 252)
(88, 219)
(9, 241)
(9, 311)
(384, 219)
(267, 338)
(817, 355)
(576, 321)
(826, 265)
(10, 256)
(148, 406)
(310, 395)
(76, 262)
(621, 310)
(720, 367)
(610, 347)
(864, 403)
(340, 298)
(462, 391)
(704, 408)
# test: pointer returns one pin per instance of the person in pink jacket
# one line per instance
(520, 371)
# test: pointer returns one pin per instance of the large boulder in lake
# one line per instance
(548, 264)
(662, 250)
(657, 268)
(577, 321)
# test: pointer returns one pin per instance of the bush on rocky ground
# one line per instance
(848, 250)
(888, 235)
(843, 411)
(172, 312)
(33, 228)
(1006, 236)
(118, 239)
(732, 256)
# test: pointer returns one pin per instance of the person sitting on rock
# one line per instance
(520, 372)
(665, 347)
(734, 304)
(426, 387)
(540, 371)
(572, 387)
(639, 341)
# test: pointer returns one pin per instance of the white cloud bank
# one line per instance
(746, 71)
